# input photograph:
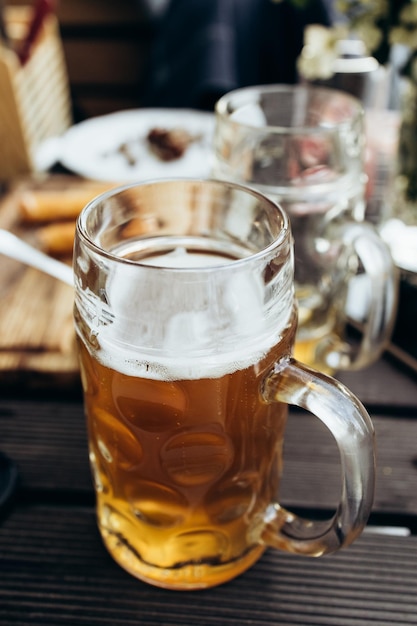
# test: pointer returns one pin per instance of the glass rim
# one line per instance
(85, 237)
(223, 103)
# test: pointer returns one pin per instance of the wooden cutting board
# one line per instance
(37, 339)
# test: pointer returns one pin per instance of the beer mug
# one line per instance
(185, 318)
(303, 146)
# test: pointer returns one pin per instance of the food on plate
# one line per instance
(170, 144)
(167, 144)
(125, 150)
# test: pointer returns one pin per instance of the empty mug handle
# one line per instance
(379, 282)
(346, 418)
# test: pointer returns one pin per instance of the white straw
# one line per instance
(17, 249)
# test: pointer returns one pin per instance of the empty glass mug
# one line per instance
(304, 147)
(185, 319)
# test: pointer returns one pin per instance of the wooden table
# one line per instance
(55, 571)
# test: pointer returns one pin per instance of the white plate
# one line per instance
(91, 148)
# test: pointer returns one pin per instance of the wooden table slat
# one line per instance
(74, 581)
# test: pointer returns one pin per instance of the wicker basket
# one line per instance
(35, 101)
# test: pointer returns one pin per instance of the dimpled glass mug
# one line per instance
(185, 318)
(303, 146)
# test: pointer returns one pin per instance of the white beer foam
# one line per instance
(192, 329)
(179, 367)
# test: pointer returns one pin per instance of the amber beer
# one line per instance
(185, 468)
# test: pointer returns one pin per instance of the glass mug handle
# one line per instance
(348, 421)
(376, 323)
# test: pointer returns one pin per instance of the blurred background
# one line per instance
(106, 46)
(115, 49)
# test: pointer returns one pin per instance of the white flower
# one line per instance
(408, 14)
(369, 33)
(403, 36)
(320, 51)
(379, 24)
(355, 9)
